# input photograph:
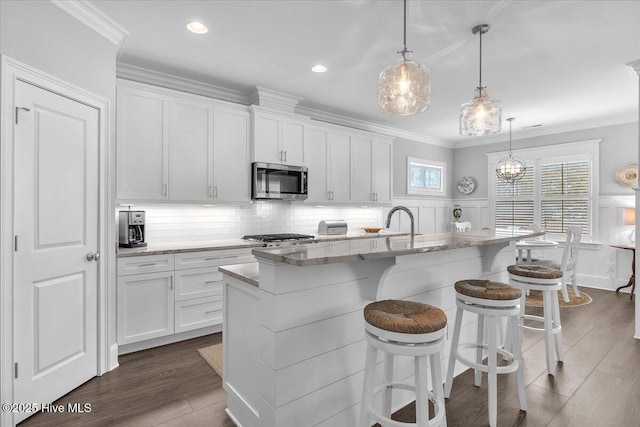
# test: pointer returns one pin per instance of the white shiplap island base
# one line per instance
(293, 327)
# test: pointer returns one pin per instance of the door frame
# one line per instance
(12, 71)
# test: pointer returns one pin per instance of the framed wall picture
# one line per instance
(425, 177)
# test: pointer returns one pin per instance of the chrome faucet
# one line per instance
(401, 208)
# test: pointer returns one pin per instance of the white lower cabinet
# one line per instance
(161, 295)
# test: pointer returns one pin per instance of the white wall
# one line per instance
(180, 223)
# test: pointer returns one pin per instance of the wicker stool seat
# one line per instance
(491, 301)
(406, 317)
(548, 263)
(486, 289)
(405, 328)
(534, 271)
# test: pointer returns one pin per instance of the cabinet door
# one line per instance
(267, 134)
(198, 313)
(339, 170)
(315, 147)
(381, 161)
(362, 172)
(293, 142)
(231, 165)
(141, 144)
(145, 306)
(191, 151)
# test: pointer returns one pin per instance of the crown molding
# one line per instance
(339, 119)
(95, 19)
(171, 81)
(635, 66)
(272, 99)
(552, 130)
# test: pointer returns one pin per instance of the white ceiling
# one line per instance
(556, 63)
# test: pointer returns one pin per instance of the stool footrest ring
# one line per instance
(513, 365)
(382, 420)
(555, 328)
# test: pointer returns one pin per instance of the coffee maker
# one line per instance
(131, 229)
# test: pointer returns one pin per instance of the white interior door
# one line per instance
(56, 224)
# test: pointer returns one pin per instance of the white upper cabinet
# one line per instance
(315, 146)
(381, 161)
(178, 147)
(277, 138)
(142, 144)
(362, 169)
(190, 150)
(339, 167)
(231, 163)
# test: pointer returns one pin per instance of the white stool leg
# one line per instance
(452, 353)
(479, 350)
(492, 377)
(565, 293)
(547, 303)
(388, 378)
(516, 333)
(367, 388)
(436, 380)
(422, 392)
(557, 324)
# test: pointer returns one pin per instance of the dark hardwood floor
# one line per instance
(598, 384)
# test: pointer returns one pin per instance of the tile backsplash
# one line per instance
(179, 223)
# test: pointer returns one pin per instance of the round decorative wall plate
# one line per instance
(466, 185)
(627, 175)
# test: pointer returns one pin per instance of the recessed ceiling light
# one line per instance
(197, 27)
(319, 68)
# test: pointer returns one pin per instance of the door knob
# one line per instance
(93, 256)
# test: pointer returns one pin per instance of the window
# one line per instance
(425, 177)
(559, 189)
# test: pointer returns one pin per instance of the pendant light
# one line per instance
(482, 115)
(404, 87)
(510, 168)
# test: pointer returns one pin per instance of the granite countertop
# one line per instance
(213, 245)
(194, 246)
(246, 272)
(385, 247)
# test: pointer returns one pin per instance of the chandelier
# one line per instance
(404, 86)
(482, 115)
(510, 168)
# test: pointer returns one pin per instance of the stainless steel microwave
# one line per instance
(278, 182)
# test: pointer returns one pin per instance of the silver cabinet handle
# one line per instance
(170, 283)
(331, 194)
(211, 311)
(281, 155)
(211, 191)
(215, 191)
(285, 155)
(221, 257)
(212, 282)
(149, 264)
(164, 189)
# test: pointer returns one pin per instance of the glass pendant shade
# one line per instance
(404, 88)
(481, 116)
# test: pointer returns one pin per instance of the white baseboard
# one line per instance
(230, 415)
(598, 282)
(113, 357)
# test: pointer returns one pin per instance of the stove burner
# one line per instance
(285, 237)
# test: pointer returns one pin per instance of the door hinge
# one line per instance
(21, 108)
(15, 369)
(15, 243)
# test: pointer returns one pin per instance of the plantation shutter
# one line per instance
(515, 202)
(564, 196)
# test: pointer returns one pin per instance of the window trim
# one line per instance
(549, 153)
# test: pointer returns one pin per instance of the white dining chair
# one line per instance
(569, 259)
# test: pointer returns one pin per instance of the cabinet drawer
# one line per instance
(198, 313)
(213, 258)
(145, 264)
(198, 282)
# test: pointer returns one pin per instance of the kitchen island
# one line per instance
(294, 331)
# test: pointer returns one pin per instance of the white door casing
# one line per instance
(56, 221)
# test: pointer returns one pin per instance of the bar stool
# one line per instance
(404, 328)
(548, 280)
(490, 301)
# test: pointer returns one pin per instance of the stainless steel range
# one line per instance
(283, 239)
